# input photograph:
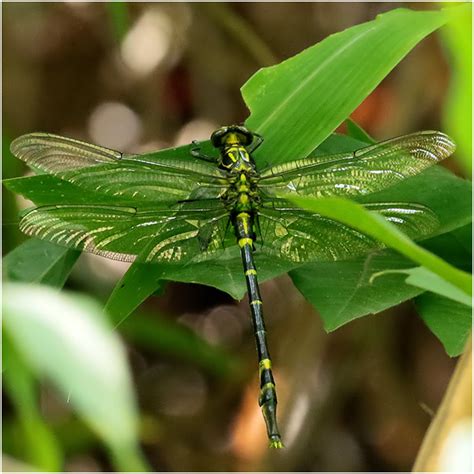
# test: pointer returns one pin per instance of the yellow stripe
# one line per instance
(245, 241)
(244, 216)
(266, 387)
(245, 222)
(256, 302)
(264, 364)
(251, 272)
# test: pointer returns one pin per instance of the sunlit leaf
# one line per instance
(296, 104)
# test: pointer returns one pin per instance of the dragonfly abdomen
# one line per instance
(243, 224)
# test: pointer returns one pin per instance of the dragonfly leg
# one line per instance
(195, 151)
(258, 140)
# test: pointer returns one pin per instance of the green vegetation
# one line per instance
(296, 106)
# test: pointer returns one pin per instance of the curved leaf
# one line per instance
(296, 104)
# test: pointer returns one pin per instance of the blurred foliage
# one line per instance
(66, 340)
(159, 335)
(119, 19)
(38, 445)
(457, 37)
(358, 389)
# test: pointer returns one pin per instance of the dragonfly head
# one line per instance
(232, 135)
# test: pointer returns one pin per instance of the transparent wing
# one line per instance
(122, 233)
(364, 171)
(294, 235)
(159, 176)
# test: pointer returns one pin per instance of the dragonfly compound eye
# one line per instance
(218, 136)
(231, 135)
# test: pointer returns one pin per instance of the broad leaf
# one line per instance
(450, 321)
(448, 196)
(455, 246)
(39, 261)
(296, 104)
(46, 189)
(344, 291)
(352, 50)
(374, 225)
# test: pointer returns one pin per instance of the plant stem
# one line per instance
(455, 407)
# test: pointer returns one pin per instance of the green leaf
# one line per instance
(39, 445)
(450, 321)
(374, 225)
(343, 291)
(139, 282)
(10, 167)
(454, 247)
(426, 280)
(457, 118)
(353, 51)
(354, 130)
(142, 280)
(46, 189)
(296, 104)
(39, 261)
(66, 339)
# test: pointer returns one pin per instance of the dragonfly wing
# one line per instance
(299, 236)
(123, 233)
(364, 171)
(140, 182)
(153, 177)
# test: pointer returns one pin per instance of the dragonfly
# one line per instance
(168, 208)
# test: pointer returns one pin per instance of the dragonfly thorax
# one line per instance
(236, 159)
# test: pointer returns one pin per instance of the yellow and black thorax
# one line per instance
(232, 142)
